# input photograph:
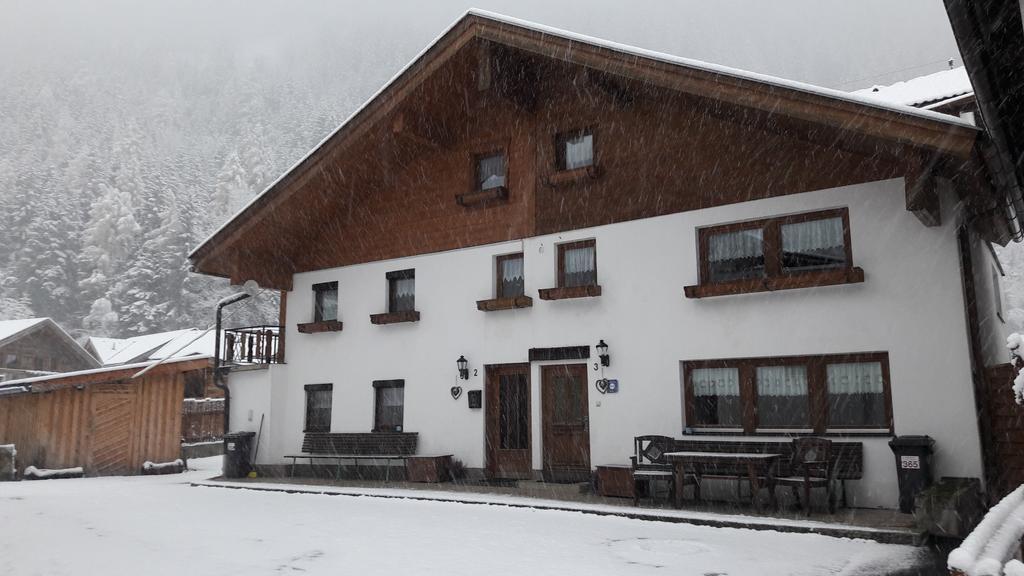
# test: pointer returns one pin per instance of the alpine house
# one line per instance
(760, 259)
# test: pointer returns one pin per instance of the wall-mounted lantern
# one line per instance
(463, 367)
(602, 353)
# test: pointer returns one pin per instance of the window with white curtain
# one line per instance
(575, 149)
(490, 171)
(511, 282)
(842, 393)
(856, 395)
(813, 245)
(401, 291)
(782, 398)
(577, 264)
(318, 407)
(736, 255)
(716, 397)
(782, 247)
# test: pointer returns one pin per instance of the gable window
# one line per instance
(389, 405)
(820, 394)
(575, 149)
(510, 278)
(319, 398)
(794, 251)
(490, 171)
(401, 291)
(10, 361)
(577, 264)
(325, 306)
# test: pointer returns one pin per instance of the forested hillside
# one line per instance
(116, 161)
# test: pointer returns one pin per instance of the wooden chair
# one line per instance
(811, 467)
(650, 466)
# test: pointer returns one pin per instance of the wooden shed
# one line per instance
(103, 420)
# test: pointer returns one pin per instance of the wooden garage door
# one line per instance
(111, 429)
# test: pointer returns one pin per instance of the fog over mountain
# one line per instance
(129, 132)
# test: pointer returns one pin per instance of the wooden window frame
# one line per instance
(377, 385)
(399, 275)
(561, 260)
(775, 277)
(499, 261)
(317, 290)
(817, 394)
(561, 138)
(305, 418)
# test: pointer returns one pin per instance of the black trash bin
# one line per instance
(913, 467)
(237, 451)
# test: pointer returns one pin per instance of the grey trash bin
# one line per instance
(913, 467)
(237, 454)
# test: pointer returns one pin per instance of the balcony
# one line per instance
(253, 345)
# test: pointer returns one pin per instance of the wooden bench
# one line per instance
(356, 446)
(847, 457)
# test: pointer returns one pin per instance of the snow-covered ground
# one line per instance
(160, 525)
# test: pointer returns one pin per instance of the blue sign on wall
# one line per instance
(613, 386)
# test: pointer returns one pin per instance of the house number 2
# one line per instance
(474, 372)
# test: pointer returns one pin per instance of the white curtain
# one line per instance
(735, 245)
(814, 236)
(715, 381)
(512, 276)
(391, 397)
(580, 265)
(579, 151)
(328, 302)
(782, 381)
(492, 171)
(855, 378)
(405, 294)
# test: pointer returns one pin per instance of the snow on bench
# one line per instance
(994, 542)
(33, 473)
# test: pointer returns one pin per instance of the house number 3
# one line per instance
(596, 367)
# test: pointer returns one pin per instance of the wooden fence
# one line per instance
(202, 420)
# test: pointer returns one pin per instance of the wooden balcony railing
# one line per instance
(253, 345)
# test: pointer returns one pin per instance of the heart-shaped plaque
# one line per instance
(456, 392)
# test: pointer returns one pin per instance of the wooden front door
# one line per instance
(508, 421)
(566, 422)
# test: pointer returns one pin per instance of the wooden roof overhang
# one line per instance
(268, 239)
(115, 374)
(990, 35)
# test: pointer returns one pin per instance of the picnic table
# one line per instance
(758, 466)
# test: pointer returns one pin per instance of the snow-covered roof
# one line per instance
(923, 89)
(615, 46)
(9, 328)
(157, 346)
(25, 382)
(12, 329)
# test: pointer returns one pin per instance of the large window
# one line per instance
(325, 302)
(389, 405)
(509, 281)
(490, 171)
(575, 149)
(577, 264)
(318, 407)
(833, 393)
(812, 246)
(401, 291)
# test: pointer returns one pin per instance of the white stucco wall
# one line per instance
(910, 306)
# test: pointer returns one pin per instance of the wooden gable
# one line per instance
(667, 138)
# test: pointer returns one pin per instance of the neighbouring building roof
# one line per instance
(157, 346)
(97, 375)
(923, 90)
(11, 330)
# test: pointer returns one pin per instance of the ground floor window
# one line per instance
(389, 405)
(826, 393)
(319, 398)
